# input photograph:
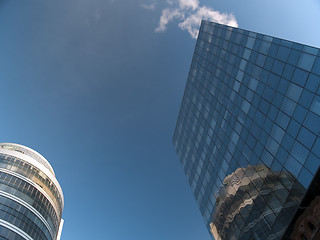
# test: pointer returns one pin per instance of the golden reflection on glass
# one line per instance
(250, 201)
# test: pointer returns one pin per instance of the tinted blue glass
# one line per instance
(287, 142)
(253, 84)
(316, 66)
(269, 63)
(288, 72)
(282, 155)
(273, 111)
(312, 163)
(300, 113)
(293, 166)
(264, 47)
(316, 147)
(277, 99)
(282, 120)
(299, 152)
(306, 98)
(297, 46)
(305, 177)
(293, 128)
(260, 60)
(299, 77)
(313, 83)
(294, 92)
(278, 67)
(306, 137)
(272, 147)
(306, 61)
(310, 50)
(273, 50)
(283, 86)
(315, 106)
(273, 81)
(283, 53)
(312, 122)
(294, 57)
(288, 106)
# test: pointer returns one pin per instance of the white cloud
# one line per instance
(167, 16)
(150, 6)
(186, 4)
(190, 14)
(193, 21)
(170, 2)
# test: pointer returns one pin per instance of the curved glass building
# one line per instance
(31, 199)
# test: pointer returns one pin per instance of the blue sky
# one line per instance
(95, 86)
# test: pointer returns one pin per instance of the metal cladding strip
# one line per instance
(27, 205)
(33, 184)
(15, 229)
(60, 229)
(35, 163)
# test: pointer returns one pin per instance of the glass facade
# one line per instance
(31, 199)
(247, 134)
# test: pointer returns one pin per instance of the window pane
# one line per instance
(306, 61)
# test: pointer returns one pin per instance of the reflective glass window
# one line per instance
(312, 122)
(294, 92)
(283, 53)
(287, 142)
(297, 46)
(277, 99)
(299, 77)
(273, 81)
(310, 50)
(272, 147)
(253, 84)
(316, 147)
(299, 152)
(306, 61)
(282, 155)
(312, 163)
(293, 128)
(261, 60)
(278, 67)
(306, 137)
(288, 72)
(306, 98)
(315, 106)
(316, 66)
(305, 177)
(273, 111)
(250, 42)
(288, 106)
(283, 86)
(273, 50)
(277, 133)
(293, 166)
(282, 120)
(313, 83)
(294, 57)
(246, 53)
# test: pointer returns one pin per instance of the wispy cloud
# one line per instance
(187, 4)
(167, 16)
(149, 6)
(189, 15)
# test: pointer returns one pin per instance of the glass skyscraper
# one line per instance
(247, 134)
(31, 199)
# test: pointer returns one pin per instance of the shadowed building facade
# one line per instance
(31, 199)
(247, 133)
